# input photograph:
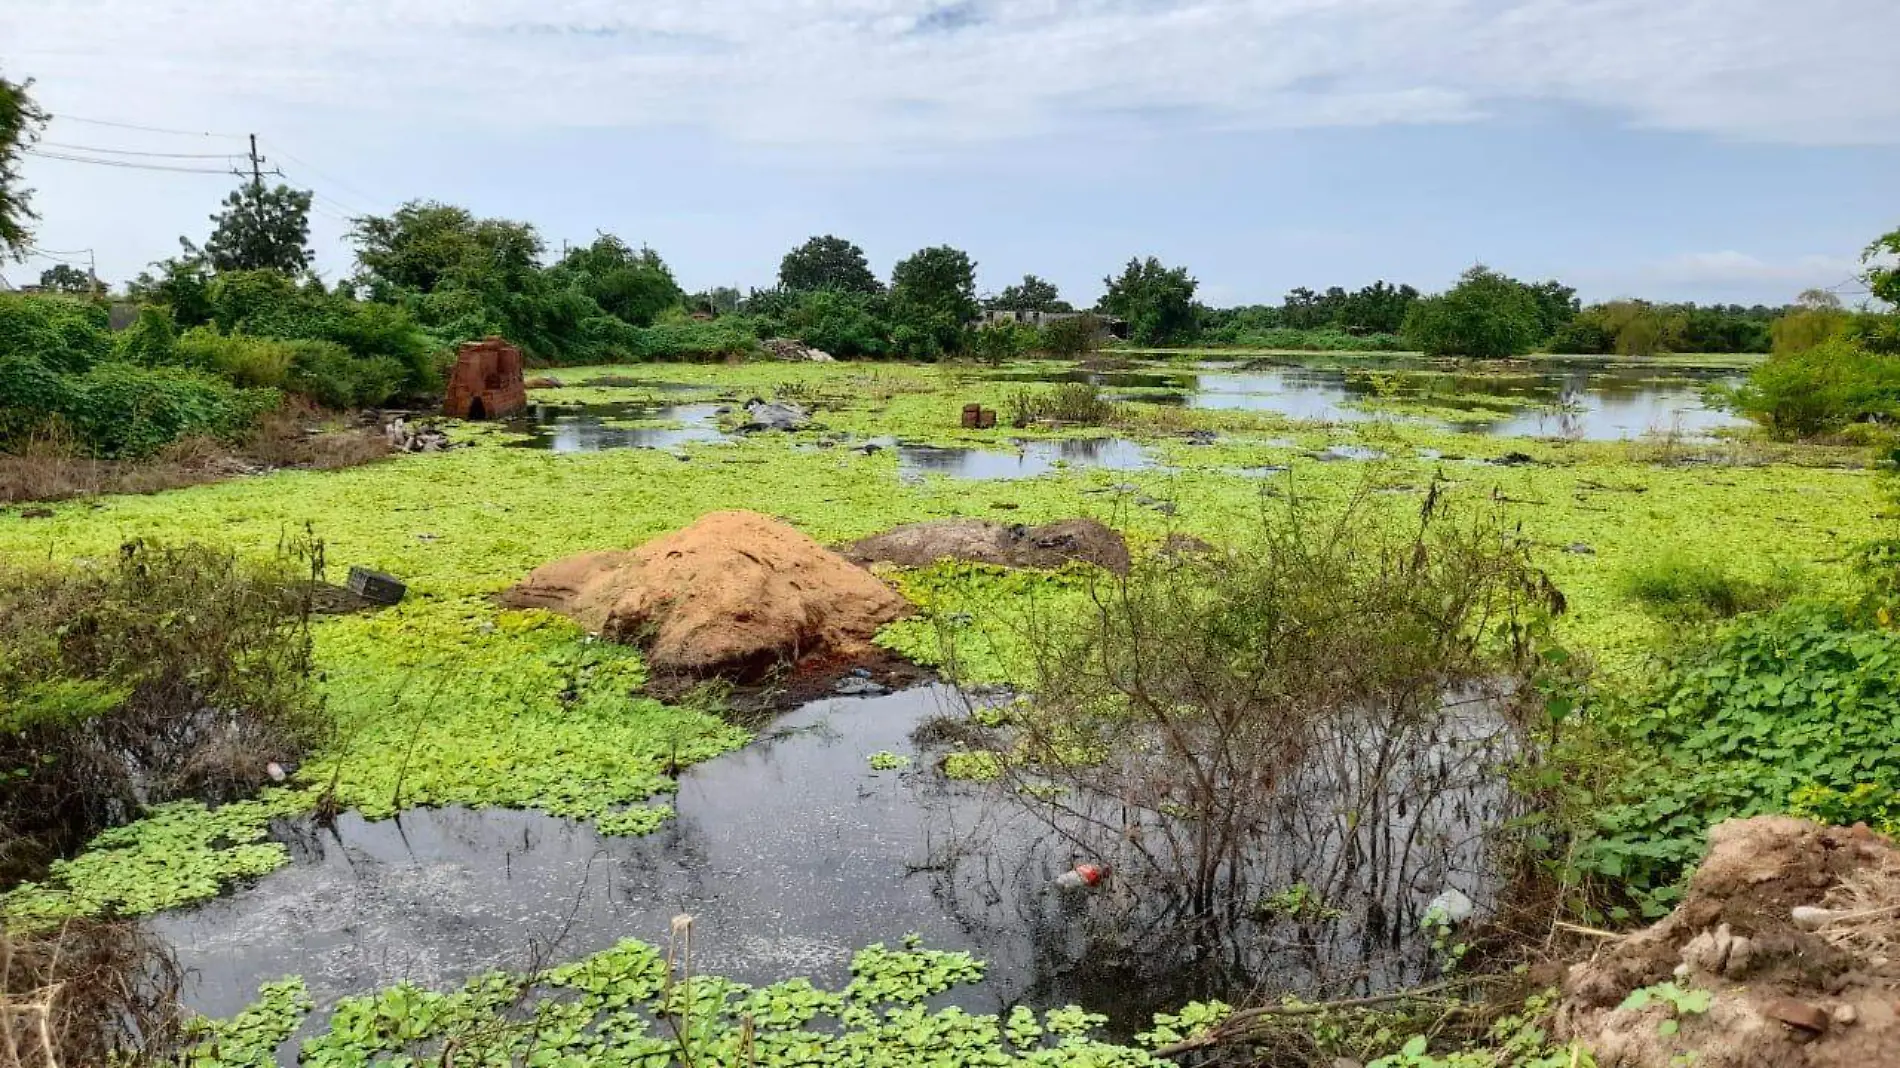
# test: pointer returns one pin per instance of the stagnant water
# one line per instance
(792, 854)
(1023, 459)
(1593, 400)
(597, 427)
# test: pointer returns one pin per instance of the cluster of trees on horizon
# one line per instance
(453, 275)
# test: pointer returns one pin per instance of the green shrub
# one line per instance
(842, 324)
(169, 673)
(65, 335)
(1002, 342)
(122, 410)
(330, 375)
(1071, 338)
(30, 394)
(1080, 403)
(1819, 390)
(1319, 341)
(1679, 586)
(1798, 709)
(151, 340)
(249, 362)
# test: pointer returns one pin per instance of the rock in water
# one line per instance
(762, 415)
(983, 542)
(734, 594)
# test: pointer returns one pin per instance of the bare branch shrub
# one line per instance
(169, 672)
(1305, 730)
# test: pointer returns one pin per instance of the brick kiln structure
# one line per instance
(486, 382)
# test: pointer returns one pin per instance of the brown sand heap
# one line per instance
(1795, 930)
(734, 594)
(983, 542)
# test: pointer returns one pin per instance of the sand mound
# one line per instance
(734, 594)
(983, 542)
(1819, 993)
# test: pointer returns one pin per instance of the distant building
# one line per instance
(1110, 327)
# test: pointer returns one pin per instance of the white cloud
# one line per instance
(1731, 267)
(938, 73)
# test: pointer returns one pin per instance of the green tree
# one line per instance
(1156, 301)
(1486, 315)
(181, 283)
(261, 229)
(425, 246)
(1031, 294)
(20, 124)
(1557, 304)
(634, 287)
(827, 263)
(65, 278)
(1883, 268)
(933, 299)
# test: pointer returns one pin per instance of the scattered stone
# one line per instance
(1514, 459)
(1580, 549)
(1202, 437)
(985, 542)
(735, 594)
(852, 686)
(1798, 1014)
(543, 382)
(404, 436)
(486, 382)
(774, 415)
(791, 349)
(1846, 1015)
(1336, 453)
(1776, 985)
(36, 513)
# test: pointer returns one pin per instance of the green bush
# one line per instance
(30, 394)
(1002, 342)
(267, 304)
(1079, 403)
(1071, 338)
(1819, 390)
(1797, 710)
(122, 410)
(151, 340)
(64, 334)
(1319, 341)
(330, 375)
(1679, 586)
(842, 324)
(249, 362)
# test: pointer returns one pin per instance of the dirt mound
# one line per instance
(734, 594)
(984, 542)
(1792, 928)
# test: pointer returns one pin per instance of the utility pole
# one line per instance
(257, 172)
(92, 270)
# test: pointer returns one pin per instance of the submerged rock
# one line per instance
(769, 415)
(985, 542)
(734, 594)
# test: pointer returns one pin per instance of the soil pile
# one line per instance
(1792, 927)
(984, 542)
(734, 594)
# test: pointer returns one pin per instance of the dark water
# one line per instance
(592, 427)
(1025, 459)
(792, 854)
(1588, 400)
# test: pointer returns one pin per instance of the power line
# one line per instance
(331, 178)
(146, 129)
(130, 152)
(122, 163)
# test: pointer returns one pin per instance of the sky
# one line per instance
(1708, 150)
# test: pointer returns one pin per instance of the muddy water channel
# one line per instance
(792, 853)
(1596, 400)
(597, 427)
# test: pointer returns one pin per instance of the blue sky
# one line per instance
(1702, 149)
